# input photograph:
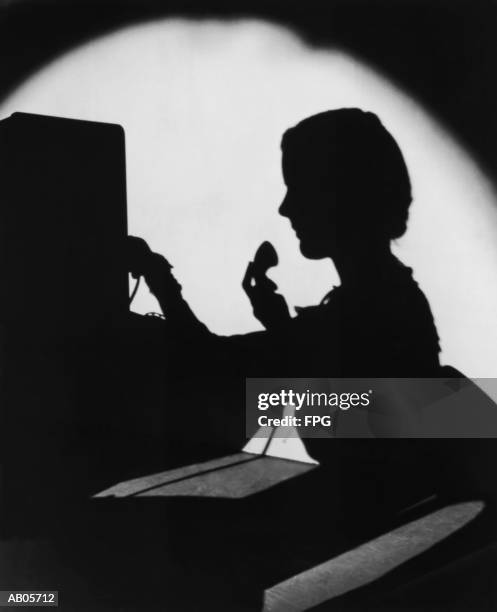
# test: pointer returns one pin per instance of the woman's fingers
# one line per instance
(248, 278)
(159, 277)
(265, 285)
(257, 284)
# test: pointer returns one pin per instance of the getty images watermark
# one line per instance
(451, 407)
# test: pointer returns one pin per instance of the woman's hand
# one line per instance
(156, 270)
(269, 307)
(137, 256)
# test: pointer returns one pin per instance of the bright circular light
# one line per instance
(204, 105)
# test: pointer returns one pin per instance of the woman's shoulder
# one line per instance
(391, 304)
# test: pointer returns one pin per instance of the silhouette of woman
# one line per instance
(348, 196)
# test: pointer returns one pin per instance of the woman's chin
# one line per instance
(313, 250)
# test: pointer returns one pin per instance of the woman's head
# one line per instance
(346, 181)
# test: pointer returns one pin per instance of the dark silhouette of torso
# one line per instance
(383, 328)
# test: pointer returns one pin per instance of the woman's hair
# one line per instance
(350, 151)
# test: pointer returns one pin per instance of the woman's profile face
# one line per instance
(314, 208)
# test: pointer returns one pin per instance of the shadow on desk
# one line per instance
(272, 547)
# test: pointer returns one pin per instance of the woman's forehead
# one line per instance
(300, 168)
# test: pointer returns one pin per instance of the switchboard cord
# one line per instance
(135, 289)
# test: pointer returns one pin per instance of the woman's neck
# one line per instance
(357, 265)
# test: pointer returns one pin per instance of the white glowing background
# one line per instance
(204, 105)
